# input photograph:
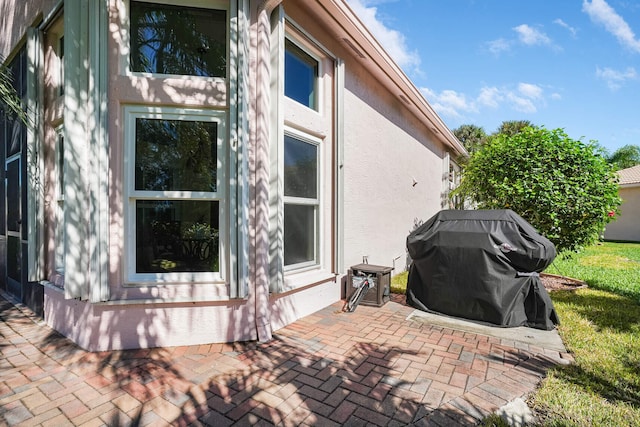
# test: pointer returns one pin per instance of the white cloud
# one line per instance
(523, 97)
(563, 24)
(490, 96)
(521, 103)
(601, 13)
(530, 90)
(449, 102)
(391, 40)
(556, 96)
(530, 36)
(498, 46)
(615, 79)
(526, 35)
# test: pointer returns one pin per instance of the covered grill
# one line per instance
(483, 266)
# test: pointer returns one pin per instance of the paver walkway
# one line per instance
(369, 367)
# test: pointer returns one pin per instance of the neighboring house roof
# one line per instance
(630, 175)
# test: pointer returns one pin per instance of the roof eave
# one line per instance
(353, 34)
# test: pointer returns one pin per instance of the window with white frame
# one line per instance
(301, 200)
(189, 38)
(174, 165)
(301, 75)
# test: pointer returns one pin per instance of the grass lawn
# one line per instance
(613, 267)
(600, 326)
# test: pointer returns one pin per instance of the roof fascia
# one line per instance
(353, 34)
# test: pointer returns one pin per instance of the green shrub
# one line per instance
(563, 187)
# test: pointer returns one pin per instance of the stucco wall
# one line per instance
(627, 224)
(393, 174)
(386, 151)
(16, 16)
(99, 327)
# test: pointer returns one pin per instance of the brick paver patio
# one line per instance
(370, 367)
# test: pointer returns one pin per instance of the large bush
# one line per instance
(563, 187)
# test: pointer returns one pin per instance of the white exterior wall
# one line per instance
(142, 324)
(627, 224)
(386, 152)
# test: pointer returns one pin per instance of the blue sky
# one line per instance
(571, 64)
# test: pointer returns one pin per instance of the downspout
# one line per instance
(262, 149)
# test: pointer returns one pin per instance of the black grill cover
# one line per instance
(481, 265)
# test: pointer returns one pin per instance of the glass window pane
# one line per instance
(16, 131)
(18, 67)
(176, 155)
(300, 75)
(299, 234)
(14, 201)
(14, 258)
(60, 153)
(300, 168)
(3, 144)
(17, 135)
(59, 230)
(181, 40)
(177, 236)
(61, 65)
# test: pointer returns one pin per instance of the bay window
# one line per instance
(176, 190)
(179, 39)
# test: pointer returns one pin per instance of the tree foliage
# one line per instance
(472, 137)
(512, 127)
(625, 157)
(9, 100)
(561, 186)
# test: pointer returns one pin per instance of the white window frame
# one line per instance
(310, 125)
(125, 24)
(131, 113)
(317, 202)
(294, 37)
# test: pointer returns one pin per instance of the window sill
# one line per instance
(294, 281)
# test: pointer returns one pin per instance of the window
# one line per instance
(301, 228)
(61, 62)
(301, 76)
(171, 39)
(301, 201)
(174, 164)
(59, 232)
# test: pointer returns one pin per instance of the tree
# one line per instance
(561, 186)
(625, 157)
(9, 100)
(472, 137)
(512, 127)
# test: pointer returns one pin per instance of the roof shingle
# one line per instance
(630, 175)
